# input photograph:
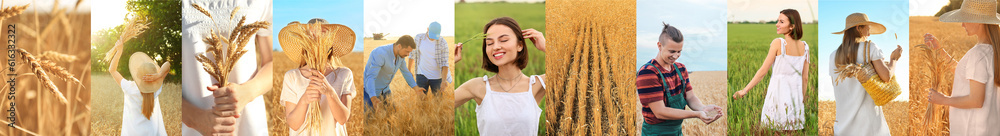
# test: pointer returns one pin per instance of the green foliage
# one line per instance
(162, 41)
(748, 47)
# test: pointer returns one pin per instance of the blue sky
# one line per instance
(348, 13)
(703, 23)
(894, 14)
(408, 17)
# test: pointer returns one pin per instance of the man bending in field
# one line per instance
(383, 62)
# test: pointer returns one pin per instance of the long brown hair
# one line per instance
(847, 53)
(994, 33)
(147, 104)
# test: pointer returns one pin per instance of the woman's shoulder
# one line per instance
(292, 72)
(343, 71)
(982, 50)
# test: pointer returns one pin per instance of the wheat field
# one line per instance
(590, 68)
(707, 86)
(40, 110)
(410, 112)
(276, 112)
(895, 115)
(953, 39)
(107, 107)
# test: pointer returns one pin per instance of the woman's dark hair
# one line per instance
(793, 16)
(522, 56)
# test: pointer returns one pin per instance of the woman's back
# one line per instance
(856, 111)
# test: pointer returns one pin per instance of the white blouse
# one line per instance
(294, 86)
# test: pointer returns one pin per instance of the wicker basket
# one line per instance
(880, 91)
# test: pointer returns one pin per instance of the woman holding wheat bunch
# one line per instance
(788, 58)
(857, 113)
(975, 109)
(141, 113)
(228, 100)
(507, 102)
(321, 81)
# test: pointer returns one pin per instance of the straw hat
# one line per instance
(294, 36)
(857, 19)
(141, 64)
(974, 11)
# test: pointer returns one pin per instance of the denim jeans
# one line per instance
(433, 84)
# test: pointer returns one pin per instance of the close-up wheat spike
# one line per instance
(41, 72)
(133, 27)
(225, 51)
(12, 11)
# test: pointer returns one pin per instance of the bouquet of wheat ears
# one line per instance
(223, 52)
(316, 51)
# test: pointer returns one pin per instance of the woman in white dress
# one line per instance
(304, 85)
(507, 102)
(973, 100)
(856, 111)
(788, 58)
(141, 113)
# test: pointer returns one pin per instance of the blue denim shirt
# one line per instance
(382, 66)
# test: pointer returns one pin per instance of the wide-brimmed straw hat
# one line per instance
(857, 19)
(295, 36)
(974, 11)
(139, 65)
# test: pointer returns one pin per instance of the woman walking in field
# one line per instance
(507, 102)
(304, 85)
(857, 113)
(973, 101)
(788, 57)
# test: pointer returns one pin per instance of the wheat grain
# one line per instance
(12, 11)
(41, 74)
(57, 57)
(202, 10)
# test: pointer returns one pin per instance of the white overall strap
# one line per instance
(782, 46)
(532, 82)
(806, 53)
(487, 80)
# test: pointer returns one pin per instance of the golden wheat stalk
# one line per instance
(133, 27)
(40, 72)
(225, 51)
(57, 57)
(12, 11)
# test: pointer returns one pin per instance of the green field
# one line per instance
(748, 46)
(470, 18)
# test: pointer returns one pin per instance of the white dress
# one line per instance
(294, 86)
(195, 26)
(857, 114)
(508, 114)
(783, 108)
(133, 122)
(977, 65)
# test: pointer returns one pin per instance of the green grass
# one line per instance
(748, 47)
(470, 18)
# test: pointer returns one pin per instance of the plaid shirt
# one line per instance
(440, 54)
(650, 87)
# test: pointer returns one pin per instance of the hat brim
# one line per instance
(134, 62)
(293, 37)
(873, 27)
(961, 16)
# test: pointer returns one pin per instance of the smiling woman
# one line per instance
(512, 92)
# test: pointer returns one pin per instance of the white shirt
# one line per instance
(976, 65)
(195, 26)
(857, 114)
(133, 122)
(294, 86)
(428, 64)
